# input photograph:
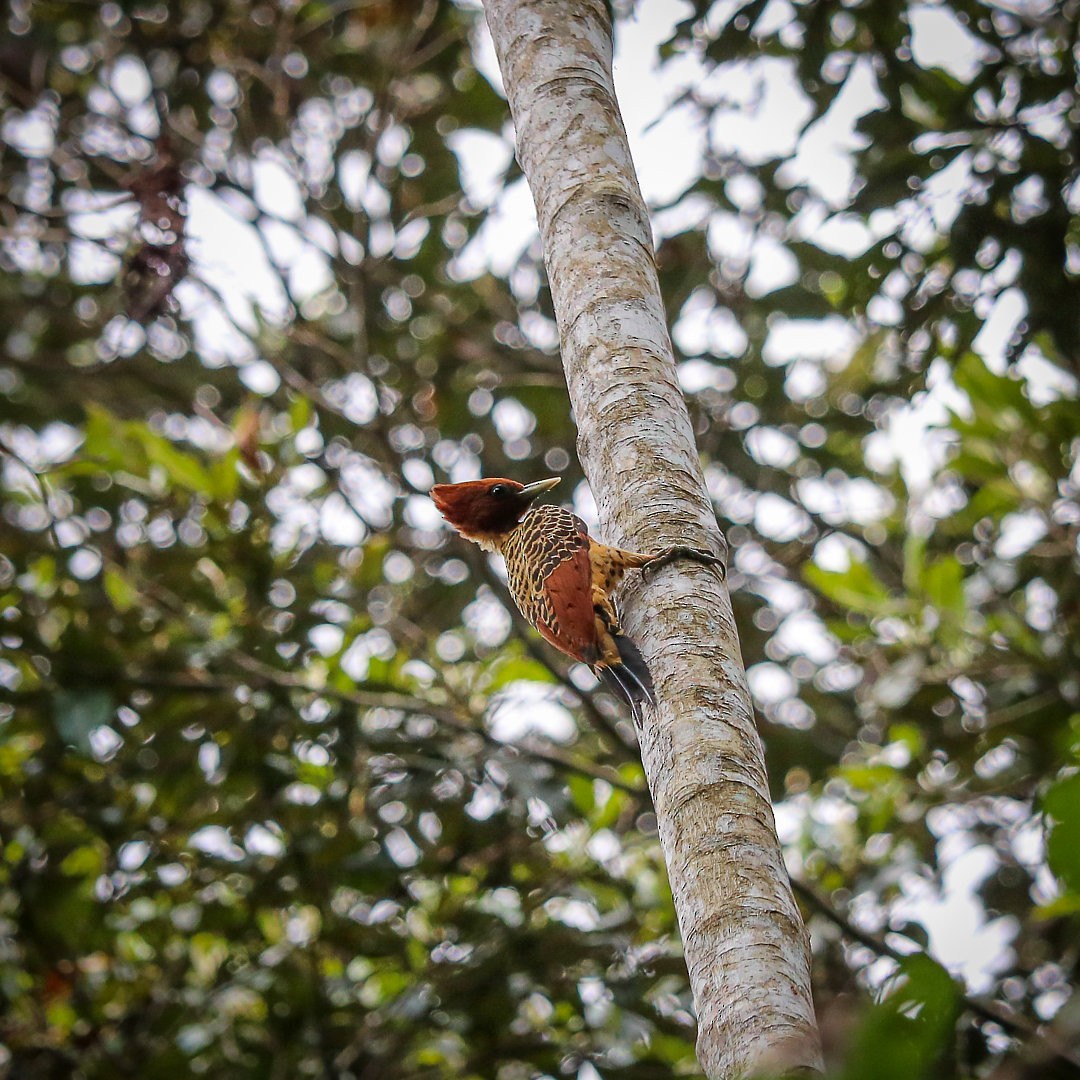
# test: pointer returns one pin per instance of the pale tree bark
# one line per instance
(746, 948)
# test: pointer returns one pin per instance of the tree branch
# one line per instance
(447, 715)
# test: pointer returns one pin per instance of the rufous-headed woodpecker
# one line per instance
(561, 579)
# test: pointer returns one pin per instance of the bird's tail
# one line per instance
(630, 679)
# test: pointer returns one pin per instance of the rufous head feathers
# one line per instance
(484, 510)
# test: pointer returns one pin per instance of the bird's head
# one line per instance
(484, 510)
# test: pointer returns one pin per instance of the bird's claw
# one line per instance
(680, 551)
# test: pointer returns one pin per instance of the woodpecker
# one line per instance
(560, 577)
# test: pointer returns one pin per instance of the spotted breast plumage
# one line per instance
(560, 578)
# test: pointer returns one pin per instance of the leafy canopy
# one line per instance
(285, 789)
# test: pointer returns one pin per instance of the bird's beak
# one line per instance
(530, 491)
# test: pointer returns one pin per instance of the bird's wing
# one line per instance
(554, 587)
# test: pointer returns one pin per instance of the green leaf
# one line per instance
(183, 470)
(611, 810)
(911, 736)
(1061, 804)
(903, 1037)
(299, 413)
(943, 581)
(225, 476)
(855, 588)
(103, 441)
(995, 398)
(869, 777)
(582, 793)
(119, 590)
(1068, 904)
(85, 861)
(914, 558)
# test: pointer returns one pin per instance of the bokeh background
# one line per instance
(286, 788)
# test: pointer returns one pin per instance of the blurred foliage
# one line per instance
(285, 790)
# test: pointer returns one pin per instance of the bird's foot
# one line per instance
(681, 551)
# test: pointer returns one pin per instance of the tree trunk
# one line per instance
(746, 948)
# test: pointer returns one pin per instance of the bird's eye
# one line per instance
(499, 490)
